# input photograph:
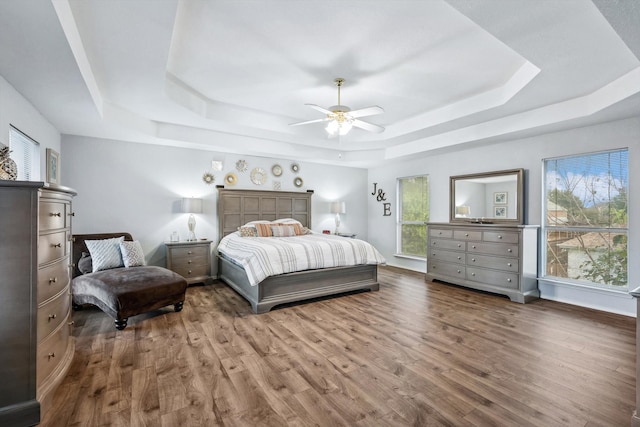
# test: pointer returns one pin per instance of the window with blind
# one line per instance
(413, 213)
(585, 226)
(26, 153)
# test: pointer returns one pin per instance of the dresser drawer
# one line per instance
(52, 278)
(52, 314)
(493, 249)
(493, 277)
(497, 263)
(500, 236)
(52, 246)
(447, 256)
(187, 252)
(446, 269)
(440, 232)
(447, 244)
(52, 215)
(467, 235)
(51, 351)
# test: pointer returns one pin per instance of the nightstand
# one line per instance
(191, 260)
(351, 236)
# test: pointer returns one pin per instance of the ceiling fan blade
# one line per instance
(368, 126)
(309, 121)
(367, 111)
(319, 108)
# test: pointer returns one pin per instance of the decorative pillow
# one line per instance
(283, 230)
(84, 263)
(248, 232)
(264, 229)
(306, 230)
(132, 254)
(105, 254)
(297, 225)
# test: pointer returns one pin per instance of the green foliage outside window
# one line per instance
(414, 213)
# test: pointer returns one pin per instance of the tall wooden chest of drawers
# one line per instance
(35, 247)
(496, 258)
(191, 260)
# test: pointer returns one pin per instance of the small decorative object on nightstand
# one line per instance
(191, 260)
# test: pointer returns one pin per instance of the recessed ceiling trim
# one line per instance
(621, 88)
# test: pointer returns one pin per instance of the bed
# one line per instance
(239, 207)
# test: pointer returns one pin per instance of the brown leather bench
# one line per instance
(124, 292)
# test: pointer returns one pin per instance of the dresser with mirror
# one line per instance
(486, 245)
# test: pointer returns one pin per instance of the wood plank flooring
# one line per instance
(411, 354)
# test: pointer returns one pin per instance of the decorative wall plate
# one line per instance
(208, 178)
(298, 182)
(241, 165)
(276, 185)
(276, 170)
(295, 167)
(230, 179)
(258, 176)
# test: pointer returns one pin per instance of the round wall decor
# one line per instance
(295, 167)
(258, 176)
(208, 178)
(241, 166)
(298, 182)
(230, 179)
(276, 170)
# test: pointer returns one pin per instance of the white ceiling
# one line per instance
(230, 76)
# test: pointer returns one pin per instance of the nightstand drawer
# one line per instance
(193, 271)
(52, 279)
(189, 252)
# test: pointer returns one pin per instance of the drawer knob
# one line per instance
(53, 280)
(71, 323)
(473, 274)
(466, 234)
(474, 246)
(189, 272)
(51, 355)
(508, 264)
(509, 250)
(56, 245)
(52, 316)
(459, 271)
(459, 258)
(189, 262)
(473, 260)
(459, 245)
(509, 280)
(190, 252)
(72, 214)
(54, 214)
(499, 236)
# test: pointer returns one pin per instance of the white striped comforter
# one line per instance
(262, 257)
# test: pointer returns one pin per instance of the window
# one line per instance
(413, 213)
(585, 226)
(26, 153)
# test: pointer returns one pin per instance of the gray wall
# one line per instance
(528, 154)
(132, 187)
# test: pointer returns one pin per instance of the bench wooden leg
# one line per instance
(121, 323)
(178, 306)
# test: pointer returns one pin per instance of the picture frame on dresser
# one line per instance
(53, 166)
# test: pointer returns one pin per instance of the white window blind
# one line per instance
(26, 153)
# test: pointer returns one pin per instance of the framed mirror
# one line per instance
(487, 198)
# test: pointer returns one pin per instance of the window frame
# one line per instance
(546, 228)
(32, 172)
(400, 222)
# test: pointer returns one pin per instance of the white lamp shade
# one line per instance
(338, 208)
(191, 205)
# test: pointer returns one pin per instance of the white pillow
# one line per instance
(132, 254)
(105, 254)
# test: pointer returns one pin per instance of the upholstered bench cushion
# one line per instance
(124, 292)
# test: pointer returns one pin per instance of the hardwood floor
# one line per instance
(413, 353)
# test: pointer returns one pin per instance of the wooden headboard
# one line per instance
(237, 207)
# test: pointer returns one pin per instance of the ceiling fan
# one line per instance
(340, 118)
